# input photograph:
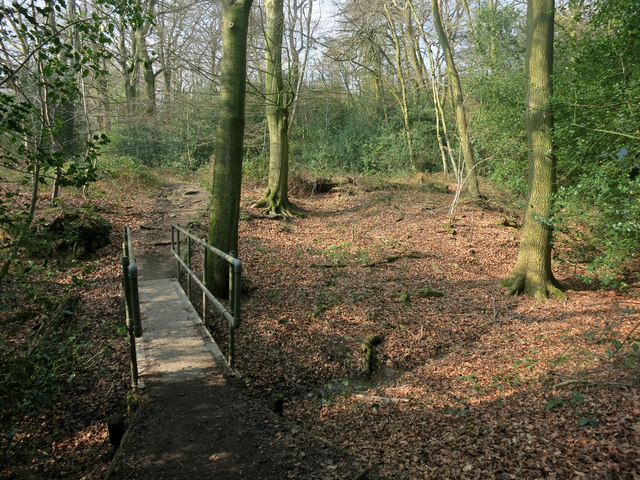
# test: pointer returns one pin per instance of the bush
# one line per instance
(124, 168)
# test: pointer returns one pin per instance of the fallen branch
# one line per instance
(393, 258)
(376, 398)
(573, 381)
(590, 382)
(375, 263)
(329, 265)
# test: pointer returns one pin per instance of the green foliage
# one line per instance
(356, 137)
(49, 50)
(574, 400)
(32, 374)
(181, 136)
(496, 89)
(596, 136)
(128, 169)
(598, 142)
(626, 349)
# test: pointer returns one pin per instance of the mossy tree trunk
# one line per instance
(532, 273)
(458, 104)
(276, 198)
(227, 169)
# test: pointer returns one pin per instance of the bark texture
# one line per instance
(227, 169)
(532, 273)
(276, 198)
(458, 104)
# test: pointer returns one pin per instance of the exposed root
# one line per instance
(276, 208)
(539, 288)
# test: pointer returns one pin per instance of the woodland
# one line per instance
(437, 203)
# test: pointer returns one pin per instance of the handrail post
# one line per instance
(178, 252)
(188, 265)
(125, 241)
(232, 306)
(130, 318)
(205, 255)
(135, 299)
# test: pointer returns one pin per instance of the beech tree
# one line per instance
(532, 273)
(227, 168)
(276, 198)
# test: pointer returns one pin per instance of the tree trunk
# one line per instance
(532, 273)
(457, 99)
(227, 169)
(302, 15)
(411, 39)
(147, 72)
(276, 198)
(126, 64)
(402, 98)
(65, 113)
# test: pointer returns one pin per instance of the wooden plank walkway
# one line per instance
(195, 420)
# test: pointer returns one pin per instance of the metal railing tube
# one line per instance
(204, 280)
(132, 302)
(133, 359)
(189, 266)
(232, 314)
(216, 303)
(135, 299)
(178, 251)
(237, 286)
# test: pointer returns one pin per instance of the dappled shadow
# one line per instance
(206, 428)
(524, 432)
(318, 289)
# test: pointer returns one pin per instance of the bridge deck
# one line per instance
(195, 420)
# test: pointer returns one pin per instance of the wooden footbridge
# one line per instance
(195, 420)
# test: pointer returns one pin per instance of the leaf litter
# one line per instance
(470, 384)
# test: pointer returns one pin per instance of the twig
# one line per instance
(376, 398)
(571, 382)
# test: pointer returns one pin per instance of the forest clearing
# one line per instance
(470, 383)
(467, 382)
(437, 205)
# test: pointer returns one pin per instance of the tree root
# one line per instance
(276, 209)
(538, 288)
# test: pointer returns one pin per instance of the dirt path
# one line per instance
(178, 203)
(198, 423)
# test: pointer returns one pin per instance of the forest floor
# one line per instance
(467, 382)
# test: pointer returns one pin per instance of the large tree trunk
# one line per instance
(458, 103)
(276, 198)
(227, 169)
(532, 273)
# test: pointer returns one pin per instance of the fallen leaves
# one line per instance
(476, 363)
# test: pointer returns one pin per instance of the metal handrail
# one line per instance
(131, 301)
(231, 314)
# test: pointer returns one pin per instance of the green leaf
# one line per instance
(553, 403)
(587, 422)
